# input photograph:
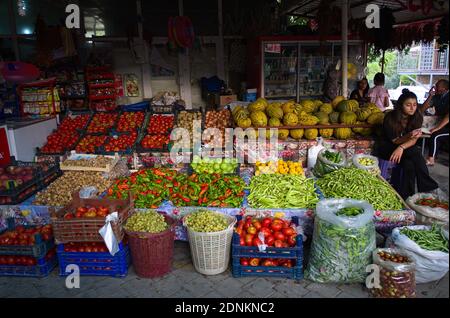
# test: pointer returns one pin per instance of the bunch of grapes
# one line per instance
(149, 221)
(204, 220)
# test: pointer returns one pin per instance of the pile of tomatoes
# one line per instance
(102, 122)
(22, 236)
(121, 142)
(274, 231)
(160, 124)
(254, 261)
(86, 247)
(87, 212)
(89, 143)
(19, 260)
(155, 141)
(130, 121)
(65, 137)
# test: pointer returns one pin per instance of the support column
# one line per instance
(184, 70)
(344, 38)
(12, 23)
(145, 66)
(220, 61)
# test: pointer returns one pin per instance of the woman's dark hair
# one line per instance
(378, 79)
(394, 118)
(366, 90)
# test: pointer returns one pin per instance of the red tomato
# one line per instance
(242, 241)
(244, 262)
(279, 236)
(265, 231)
(292, 240)
(256, 241)
(254, 261)
(257, 224)
(266, 222)
(249, 239)
(268, 262)
(278, 243)
(288, 231)
(251, 230)
(269, 240)
(276, 226)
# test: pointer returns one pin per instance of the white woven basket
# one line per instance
(210, 252)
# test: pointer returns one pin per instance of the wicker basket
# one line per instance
(211, 251)
(152, 254)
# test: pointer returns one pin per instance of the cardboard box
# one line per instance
(226, 99)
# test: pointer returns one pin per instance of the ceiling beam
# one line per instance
(297, 6)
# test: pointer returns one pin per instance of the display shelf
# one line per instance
(102, 97)
(39, 98)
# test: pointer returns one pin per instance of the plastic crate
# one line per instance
(136, 106)
(86, 229)
(38, 250)
(138, 128)
(295, 253)
(95, 264)
(15, 190)
(46, 181)
(42, 269)
(21, 196)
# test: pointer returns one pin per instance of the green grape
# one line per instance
(206, 221)
(148, 221)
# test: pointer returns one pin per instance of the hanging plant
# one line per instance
(383, 36)
(442, 32)
(428, 32)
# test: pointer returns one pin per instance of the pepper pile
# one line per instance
(340, 254)
(360, 185)
(152, 186)
(282, 191)
(431, 240)
(432, 203)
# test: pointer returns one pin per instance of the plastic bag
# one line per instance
(430, 265)
(372, 168)
(108, 234)
(313, 152)
(88, 192)
(397, 280)
(324, 166)
(341, 246)
(428, 215)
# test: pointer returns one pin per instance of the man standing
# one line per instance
(438, 99)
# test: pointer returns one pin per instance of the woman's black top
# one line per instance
(356, 96)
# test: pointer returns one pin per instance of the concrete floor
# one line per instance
(185, 282)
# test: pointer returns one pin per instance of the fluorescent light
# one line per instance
(26, 31)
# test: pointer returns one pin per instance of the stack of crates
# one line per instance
(79, 242)
(27, 251)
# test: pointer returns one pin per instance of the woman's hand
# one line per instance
(416, 133)
(397, 155)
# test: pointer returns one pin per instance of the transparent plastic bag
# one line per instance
(88, 192)
(428, 214)
(313, 153)
(324, 166)
(397, 280)
(372, 168)
(430, 265)
(341, 246)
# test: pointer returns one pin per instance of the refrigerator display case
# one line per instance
(292, 67)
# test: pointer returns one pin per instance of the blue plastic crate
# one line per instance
(294, 253)
(295, 272)
(42, 269)
(95, 264)
(38, 250)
